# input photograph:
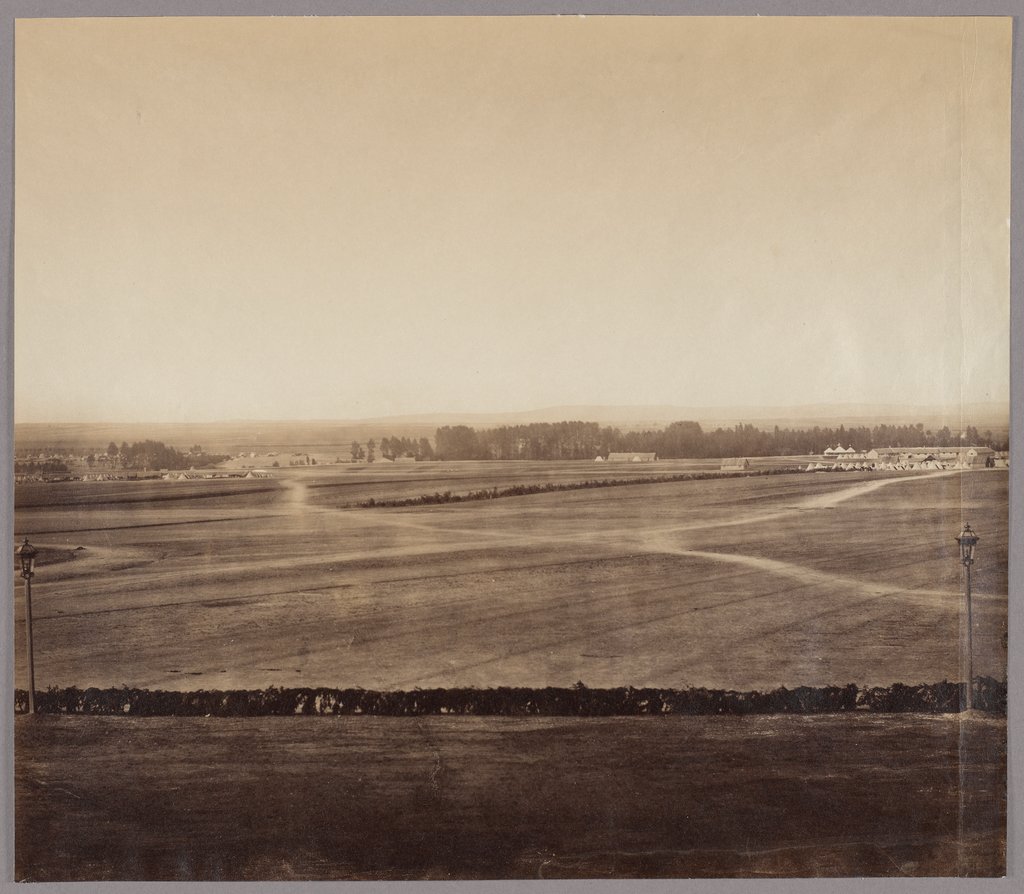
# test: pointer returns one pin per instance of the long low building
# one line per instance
(966, 456)
(735, 464)
(632, 457)
(915, 458)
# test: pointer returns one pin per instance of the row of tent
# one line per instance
(192, 475)
(927, 465)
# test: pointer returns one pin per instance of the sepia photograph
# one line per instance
(531, 447)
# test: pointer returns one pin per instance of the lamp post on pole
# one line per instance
(27, 557)
(968, 540)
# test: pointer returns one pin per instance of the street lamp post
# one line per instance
(27, 556)
(968, 540)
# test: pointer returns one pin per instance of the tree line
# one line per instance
(393, 448)
(685, 440)
(550, 487)
(147, 455)
(43, 466)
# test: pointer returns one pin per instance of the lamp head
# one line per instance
(968, 540)
(27, 557)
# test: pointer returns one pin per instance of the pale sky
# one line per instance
(356, 217)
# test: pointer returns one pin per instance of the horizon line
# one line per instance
(818, 409)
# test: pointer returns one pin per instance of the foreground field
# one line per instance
(734, 583)
(373, 798)
(749, 583)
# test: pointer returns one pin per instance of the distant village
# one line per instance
(847, 459)
(54, 467)
(143, 464)
(152, 460)
(840, 459)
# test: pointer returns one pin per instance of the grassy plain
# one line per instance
(742, 583)
(749, 583)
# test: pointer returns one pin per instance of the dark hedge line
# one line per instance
(578, 701)
(522, 490)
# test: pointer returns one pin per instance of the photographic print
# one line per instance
(537, 447)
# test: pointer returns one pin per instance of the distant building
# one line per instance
(258, 473)
(963, 457)
(632, 457)
(736, 464)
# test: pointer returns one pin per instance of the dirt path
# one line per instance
(296, 494)
(807, 576)
(813, 577)
(818, 502)
(827, 501)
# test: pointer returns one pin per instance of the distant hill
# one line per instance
(983, 415)
(318, 436)
(218, 437)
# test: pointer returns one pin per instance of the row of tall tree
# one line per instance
(679, 440)
(42, 466)
(148, 455)
(393, 448)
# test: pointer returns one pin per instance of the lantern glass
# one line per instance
(27, 556)
(968, 540)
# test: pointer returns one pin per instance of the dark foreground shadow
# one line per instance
(273, 798)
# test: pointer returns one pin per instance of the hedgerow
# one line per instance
(523, 490)
(577, 701)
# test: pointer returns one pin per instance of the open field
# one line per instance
(372, 798)
(748, 583)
